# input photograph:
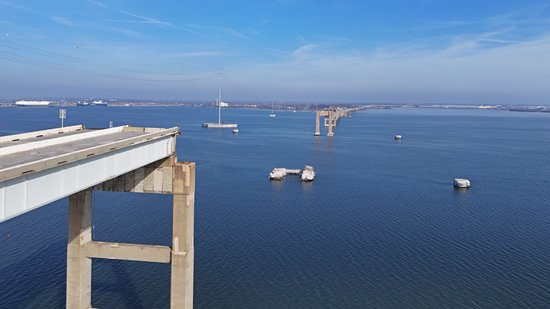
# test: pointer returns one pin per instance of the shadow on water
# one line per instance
(122, 285)
(276, 184)
(307, 186)
(46, 283)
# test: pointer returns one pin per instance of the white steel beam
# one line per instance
(32, 184)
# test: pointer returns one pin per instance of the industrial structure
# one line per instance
(40, 167)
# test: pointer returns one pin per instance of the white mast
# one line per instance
(220, 74)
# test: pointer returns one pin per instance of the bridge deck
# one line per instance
(39, 167)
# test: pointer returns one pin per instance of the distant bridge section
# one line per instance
(332, 115)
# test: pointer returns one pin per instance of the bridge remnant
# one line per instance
(40, 167)
(332, 115)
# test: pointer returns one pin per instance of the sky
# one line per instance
(392, 51)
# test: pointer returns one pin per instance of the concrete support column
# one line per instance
(330, 123)
(317, 124)
(183, 221)
(79, 267)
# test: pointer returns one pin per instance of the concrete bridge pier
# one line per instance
(331, 123)
(165, 176)
(317, 124)
(79, 266)
(331, 118)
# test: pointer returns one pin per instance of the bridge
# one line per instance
(332, 115)
(40, 167)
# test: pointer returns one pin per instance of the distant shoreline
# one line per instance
(299, 106)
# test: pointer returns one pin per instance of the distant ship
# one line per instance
(272, 112)
(32, 103)
(93, 103)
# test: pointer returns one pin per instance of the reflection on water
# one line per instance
(462, 194)
(323, 144)
(276, 184)
(307, 186)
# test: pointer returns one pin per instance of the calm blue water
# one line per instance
(380, 227)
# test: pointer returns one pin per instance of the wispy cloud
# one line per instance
(13, 5)
(285, 2)
(468, 44)
(429, 25)
(477, 68)
(221, 30)
(194, 54)
(305, 50)
(99, 27)
(145, 20)
(98, 3)
(128, 32)
(266, 21)
(63, 21)
(514, 23)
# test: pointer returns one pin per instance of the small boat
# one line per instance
(219, 104)
(397, 136)
(93, 103)
(219, 125)
(307, 173)
(236, 130)
(272, 113)
(461, 183)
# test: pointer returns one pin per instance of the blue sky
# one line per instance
(420, 51)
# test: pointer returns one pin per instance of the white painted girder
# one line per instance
(29, 191)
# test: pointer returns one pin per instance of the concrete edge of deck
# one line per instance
(149, 134)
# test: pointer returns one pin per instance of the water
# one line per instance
(380, 227)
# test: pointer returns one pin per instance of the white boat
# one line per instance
(219, 124)
(277, 173)
(236, 130)
(93, 103)
(272, 113)
(32, 103)
(308, 174)
(99, 103)
(461, 183)
(397, 136)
